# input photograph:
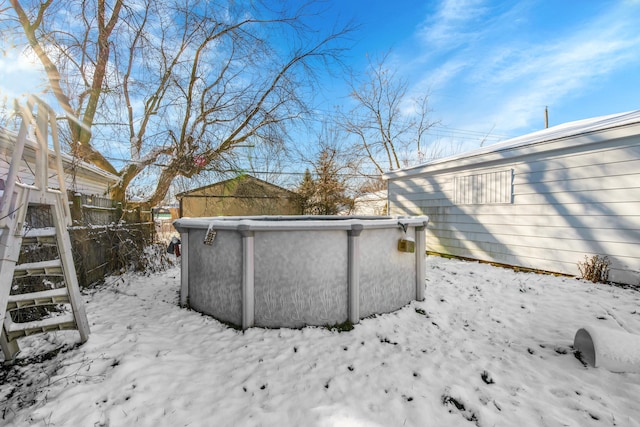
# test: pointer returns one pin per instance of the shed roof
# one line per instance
(243, 177)
(580, 132)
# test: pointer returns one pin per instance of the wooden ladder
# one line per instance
(16, 234)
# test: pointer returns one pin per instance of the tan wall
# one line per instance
(237, 206)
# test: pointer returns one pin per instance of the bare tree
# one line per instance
(387, 126)
(197, 79)
(52, 45)
(267, 162)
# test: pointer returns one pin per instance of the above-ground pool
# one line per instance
(292, 271)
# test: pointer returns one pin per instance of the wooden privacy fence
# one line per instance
(106, 237)
(96, 210)
(105, 249)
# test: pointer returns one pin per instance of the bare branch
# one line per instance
(181, 84)
(381, 124)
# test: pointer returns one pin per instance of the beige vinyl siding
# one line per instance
(79, 176)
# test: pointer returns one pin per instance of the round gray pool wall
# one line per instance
(215, 275)
(387, 276)
(300, 278)
(297, 271)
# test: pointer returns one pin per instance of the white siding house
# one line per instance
(372, 204)
(80, 177)
(542, 201)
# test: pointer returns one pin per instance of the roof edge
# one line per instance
(562, 132)
(8, 138)
(246, 175)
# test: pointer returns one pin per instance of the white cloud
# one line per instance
(502, 74)
(546, 75)
(439, 77)
(452, 24)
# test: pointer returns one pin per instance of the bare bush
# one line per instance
(595, 269)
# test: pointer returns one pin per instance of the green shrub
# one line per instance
(341, 327)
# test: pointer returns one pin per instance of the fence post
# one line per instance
(76, 209)
(118, 211)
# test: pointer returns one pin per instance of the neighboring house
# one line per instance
(80, 177)
(370, 204)
(542, 201)
(243, 195)
(95, 239)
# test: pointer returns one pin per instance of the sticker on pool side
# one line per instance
(210, 237)
(407, 245)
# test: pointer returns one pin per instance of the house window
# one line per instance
(484, 188)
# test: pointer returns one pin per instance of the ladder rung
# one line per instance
(58, 323)
(17, 198)
(39, 235)
(33, 299)
(52, 267)
(44, 197)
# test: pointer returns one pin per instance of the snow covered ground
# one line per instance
(488, 347)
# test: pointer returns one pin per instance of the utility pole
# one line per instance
(546, 117)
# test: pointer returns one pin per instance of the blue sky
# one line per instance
(491, 67)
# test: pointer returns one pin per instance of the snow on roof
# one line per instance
(562, 131)
(8, 140)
